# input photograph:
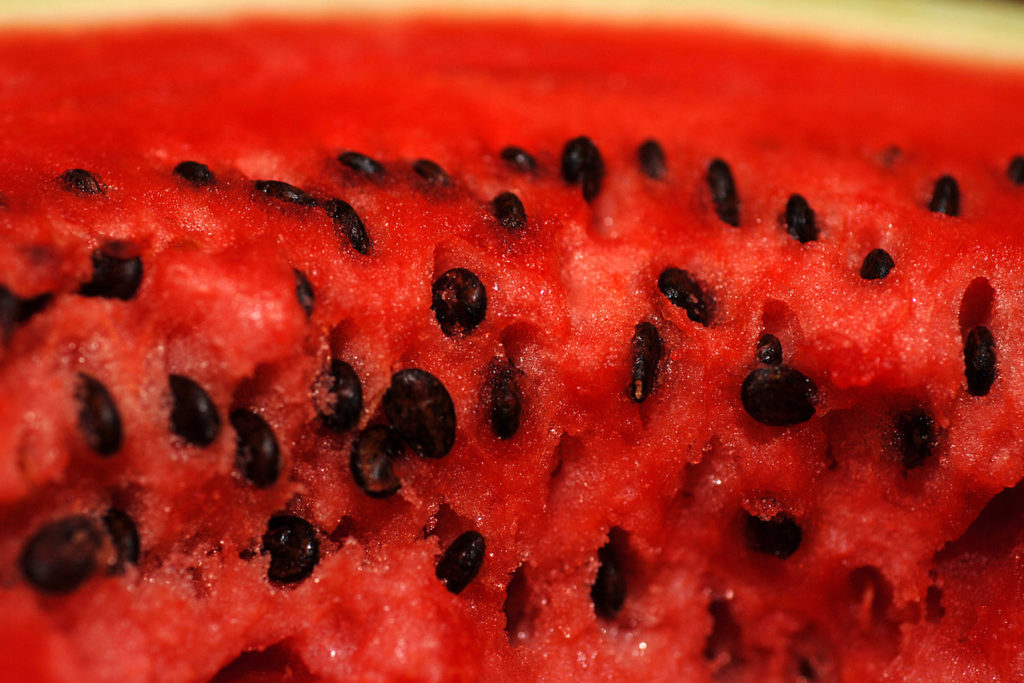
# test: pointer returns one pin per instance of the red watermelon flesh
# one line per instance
(628, 483)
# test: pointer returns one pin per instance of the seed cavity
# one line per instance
(459, 302)
(338, 396)
(769, 350)
(779, 396)
(509, 211)
(800, 223)
(779, 536)
(723, 192)
(98, 417)
(431, 172)
(193, 415)
(461, 561)
(519, 159)
(61, 556)
(980, 361)
(914, 437)
(1015, 170)
(284, 192)
(304, 292)
(196, 173)
(293, 547)
(505, 398)
(652, 159)
(372, 461)
(877, 265)
(420, 409)
(348, 225)
(362, 164)
(124, 536)
(685, 292)
(582, 163)
(646, 355)
(116, 272)
(15, 310)
(257, 455)
(946, 197)
(81, 182)
(609, 589)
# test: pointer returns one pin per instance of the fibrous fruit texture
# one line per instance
(438, 351)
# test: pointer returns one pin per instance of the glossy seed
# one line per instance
(338, 396)
(459, 301)
(646, 354)
(293, 547)
(362, 163)
(193, 415)
(98, 417)
(778, 396)
(800, 223)
(257, 455)
(723, 192)
(652, 159)
(420, 409)
(281, 191)
(769, 350)
(914, 437)
(372, 461)
(431, 172)
(509, 211)
(62, 555)
(946, 197)
(1015, 170)
(505, 398)
(582, 163)
(196, 173)
(609, 589)
(304, 292)
(348, 225)
(124, 535)
(980, 361)
(116, 272)
(779, 536)
(519, 159)
(462, 561)
(80, 182)
(684, 291)
(877, 265)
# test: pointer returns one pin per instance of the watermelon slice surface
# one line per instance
(431, 350)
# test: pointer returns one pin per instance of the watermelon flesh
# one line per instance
(588, 459)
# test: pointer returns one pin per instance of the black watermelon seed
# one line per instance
(196, 173)
(946, 197)
(60, 556)
(779, 536)
(372, 461)
(800, 223)
(420, 409)
(459, 301)
(685, 292)
(124, 535)
(609, 589)
(723, 192)
(193, 415)
(80, 182)
(293, 547)
(646, 354)
(461, 562)
(98, 417)
(582, 163)
(257, 455)
(505, 399)
(769, 350)
(509, 211)
(284, 192)
(980, 361)
(362, 163)
(338, 396)
(519, 159)
(348, 225)
(914, 437)
(877, 265)
(652, 159)
(431, 172)
(1015, 170)
(779, 396)
(116, 272)
(304, 292)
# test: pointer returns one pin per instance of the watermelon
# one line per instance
(567, 352)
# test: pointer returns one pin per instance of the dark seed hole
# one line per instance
(257, 455)
(275, 663)
(516, 607)
(769, 350)
(976, 305)
(459, 301)
(80, 182)
(609, 590)
(193, 414)
(877, 265)
(505, 398)
(420, 409)
(62, 555)
(519, 159)
(284, 192)
(338, 396)
(800, 223)
(196, 173)
(645, 357)
(509, 211)
(652, 159)
(684, 291)
(723, 192)
(946, 197)
(304, 292)
(98, 417)
(1015, 170)
(778, 396)
(116, 272)
(582, 164)
(461, 562)
(779, 536)
(431, 172)
(348, 225)
(914, 437)
(724, 642)
(980, 361)
(934, 611)
(362, 163)
(125, 537)
(293, 547)
(372, 461)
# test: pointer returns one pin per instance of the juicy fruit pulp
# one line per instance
(511, 352)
